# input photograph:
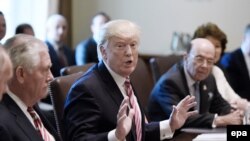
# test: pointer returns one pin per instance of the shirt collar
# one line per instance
(18, 101)
(118, 78)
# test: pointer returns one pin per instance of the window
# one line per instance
(34, 12)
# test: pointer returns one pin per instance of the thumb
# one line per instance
(174, 111)
(131, 113)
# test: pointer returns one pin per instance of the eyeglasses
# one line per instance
(200, 60)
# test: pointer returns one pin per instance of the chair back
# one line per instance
(58, 90)
(142, 81)
(74, 69)
(161, 64)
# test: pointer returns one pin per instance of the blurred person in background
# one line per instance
(86, 50)
(24, 29)
(2, 26)
(61, 55)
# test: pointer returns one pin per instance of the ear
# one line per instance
(103, 52)
(20, 74)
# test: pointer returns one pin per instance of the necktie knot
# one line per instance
(38, 124)
(32, 113)
(128, 87)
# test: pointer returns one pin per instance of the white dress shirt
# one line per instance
(24, 108)
(165, 130)
(223, 86)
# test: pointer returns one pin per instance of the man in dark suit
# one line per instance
(101, 105)
(86, 50)
(237, 67)
(60, 54)
(21, 118)
(179, 82)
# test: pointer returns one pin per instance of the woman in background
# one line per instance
(214, 34)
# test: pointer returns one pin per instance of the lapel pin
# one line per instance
(204, 87)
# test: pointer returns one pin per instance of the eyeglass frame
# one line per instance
(200, 60)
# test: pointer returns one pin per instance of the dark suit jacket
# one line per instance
(56, 66)
(92, 105)
(172, 88)
(86, 52)
(236, 71)
(15, 126)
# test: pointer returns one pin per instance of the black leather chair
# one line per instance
(142, 81)
(58, 90)
(161, 64)
(73, 69)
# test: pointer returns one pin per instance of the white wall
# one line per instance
(160, 18)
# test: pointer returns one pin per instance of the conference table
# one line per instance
(188, 134)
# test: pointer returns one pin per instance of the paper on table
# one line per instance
(211, 137)
(204, 130)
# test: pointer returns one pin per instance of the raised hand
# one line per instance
(181, 112)
(124, 119)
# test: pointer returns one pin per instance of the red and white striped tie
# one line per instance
(39, 125)
(134, 104)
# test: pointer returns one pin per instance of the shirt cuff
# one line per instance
(111, 136)
(165, 130)
(213, 124)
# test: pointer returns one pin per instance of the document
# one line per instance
(204, 130)
(211, 137)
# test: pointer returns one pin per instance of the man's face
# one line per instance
(58, 30)
(2, 27)
(121, 54)
(38, 80)
(200, 60)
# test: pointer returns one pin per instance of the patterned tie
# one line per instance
(197, 95)
(134, 104)
(39, 126)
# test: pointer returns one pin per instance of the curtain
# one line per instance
(65, 8)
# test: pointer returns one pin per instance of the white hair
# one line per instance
(116, 28)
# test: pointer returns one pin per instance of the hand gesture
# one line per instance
(233, 118)
(181, 112)
(124, 119)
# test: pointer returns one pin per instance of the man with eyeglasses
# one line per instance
(192, 76)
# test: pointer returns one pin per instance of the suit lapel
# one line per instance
(242, 63)
(114, 92)
(110, 85)
(182, 79)
(21, 119)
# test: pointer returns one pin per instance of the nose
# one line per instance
(50, 76)
(128, 50)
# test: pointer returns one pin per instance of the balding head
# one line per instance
(200, 59)
(56, 28)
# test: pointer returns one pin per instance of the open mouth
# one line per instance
(129, 62)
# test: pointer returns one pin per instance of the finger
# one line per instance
(191, 113)
(131, 113)
(191, 105)
(187, 100)
(123, 109)
(174, 111)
